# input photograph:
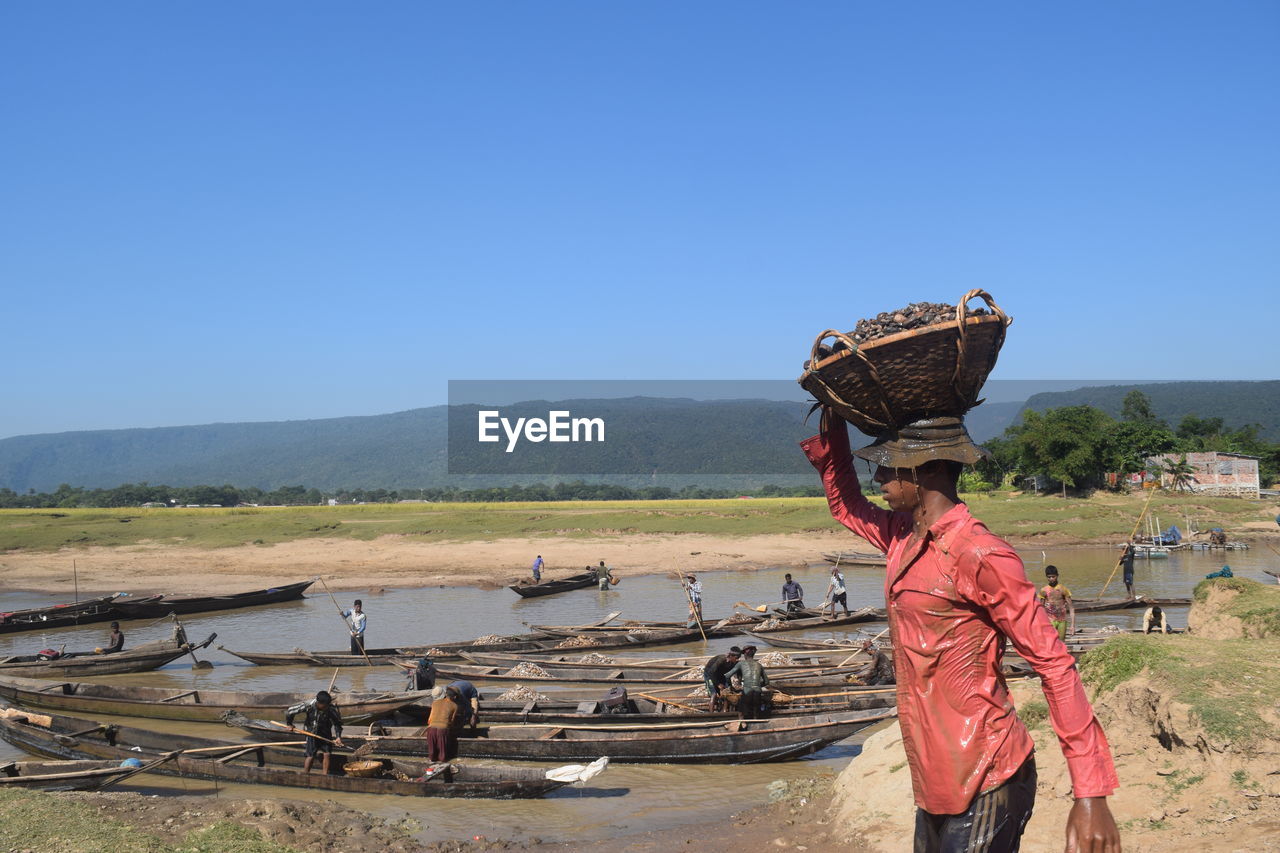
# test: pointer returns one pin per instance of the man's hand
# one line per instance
(1091, 828)
(338, 742)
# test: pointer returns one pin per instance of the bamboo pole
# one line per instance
(1131, 535)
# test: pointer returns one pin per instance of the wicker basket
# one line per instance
(363, 768)
(934, 371)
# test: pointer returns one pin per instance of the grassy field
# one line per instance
(1102, 517)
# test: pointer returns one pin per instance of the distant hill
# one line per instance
(674, 443)
(1237, 403)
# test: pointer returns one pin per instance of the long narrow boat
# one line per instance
(78, 664)
(59, 615)
(62, 775)
(730, 742)
(856, 558)
(774, 662)
(74, 737)
(335, 658)
(208, 705)
(534, 590)
(804, 623)
(1096, 605)
(801, 678)
(162, 605)
(646, 634)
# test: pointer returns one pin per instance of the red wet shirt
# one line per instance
(953, 598)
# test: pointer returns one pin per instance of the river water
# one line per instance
(626, 798)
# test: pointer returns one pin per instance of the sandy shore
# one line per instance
(398, 561)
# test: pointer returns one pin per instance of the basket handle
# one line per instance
(889, 417)
(817, 342)
(962, 327)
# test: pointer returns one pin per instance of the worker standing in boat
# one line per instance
(955, 593)
(1057, 603)
(837, 592)
(323, 720)
(1126, 563)
(694, 588)
(792, 595)
(716, 676)
(358, 620)
(422, 675)
(537, 569)
(754, 680)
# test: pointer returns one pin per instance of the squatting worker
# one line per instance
(881, 670)
(754, 680)
(443, 724)
(322, 718)
(716, 675)
(1154, 620)
(955, 593)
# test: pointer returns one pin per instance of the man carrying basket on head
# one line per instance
(955, 593)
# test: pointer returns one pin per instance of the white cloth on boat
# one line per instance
(578, 773)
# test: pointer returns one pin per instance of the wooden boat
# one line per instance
(856, 558)
(59, 615)
(800, 677)
(664, 667)
(1096, 605)
(163, 605)
(62, 775)
(641, 633)
(534, 590)
(209, 705)
(714, 742)
(810, 620)
(334, 658)
(74, 737)
(76, 664)
(771, 639)
(438, 651)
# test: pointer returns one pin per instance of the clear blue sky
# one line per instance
(256, 211)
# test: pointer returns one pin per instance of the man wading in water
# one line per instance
(955, 592)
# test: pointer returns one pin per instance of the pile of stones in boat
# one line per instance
(577, 642)
(528, 670)
(520, 693)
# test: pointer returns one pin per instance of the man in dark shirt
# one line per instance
(323, 720)
(716, 675)
(754, 680)
(1126, 562)
(468, 703)
(792, 595)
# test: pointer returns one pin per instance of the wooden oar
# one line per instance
(246, 746)
(169, 756)
(668, 702)
(350, 627)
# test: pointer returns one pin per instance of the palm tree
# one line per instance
(1180, 472)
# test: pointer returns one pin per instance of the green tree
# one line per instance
(1131, 443)
(1068, 444)
(1136, 408)
(1180, 472)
